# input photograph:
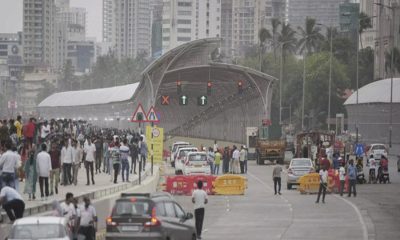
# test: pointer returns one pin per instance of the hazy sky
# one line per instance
(11, 16)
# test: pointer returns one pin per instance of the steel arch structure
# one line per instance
(227, 113)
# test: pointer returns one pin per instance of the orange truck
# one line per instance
(270, 150)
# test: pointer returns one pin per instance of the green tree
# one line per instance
(311, 38)
(366, 66)
(263, 35)
(67, 77)
(396, 61)
(275, 22)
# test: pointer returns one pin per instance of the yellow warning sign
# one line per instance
(157, 141)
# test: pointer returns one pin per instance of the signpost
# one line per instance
(139, 116)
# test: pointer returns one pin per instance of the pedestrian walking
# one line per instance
(76, 220)
(211, 159)
(68, 209)
(88, 220)
(66, 159)
(19, 166)
(106, 164)
(12, 203)
(242, 158)
(246, 158)
(199, 199)
(342, 177)
(124, 154)
(352, 172)
(90, 151)
(44, 132)
(55, 156)
(276, 177)
(43, 168)
(29, 131)
(134, 154)
(30, 174)
(115, 159)
(217, 162)
(323, 183)
(9, 165)
(77, 159)
(143, 153)
(98, 143)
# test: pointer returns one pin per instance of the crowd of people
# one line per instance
(233, 159)
(52, 152)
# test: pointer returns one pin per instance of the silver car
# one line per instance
(298, 167)
(54, 228)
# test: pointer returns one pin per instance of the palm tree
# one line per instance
(263, 35)
(287, 40)
(275, 24)
(365, 23)
(310, 41)
(311, 37)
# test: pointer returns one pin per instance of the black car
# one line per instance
(149, 216)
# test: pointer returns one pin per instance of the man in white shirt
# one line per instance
(68, 209)
(242, 157)
(235, 157)
(9, 165)
(90, 150)
(44, 131)
(200, 199)
(43, 168)
(12, 203)
(342, 177)
(88, 220)
(67, 156)
(323, 183)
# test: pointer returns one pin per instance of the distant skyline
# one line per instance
(11, 16)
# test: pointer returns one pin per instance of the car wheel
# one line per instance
(289, 186)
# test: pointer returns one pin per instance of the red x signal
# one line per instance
(164, 100)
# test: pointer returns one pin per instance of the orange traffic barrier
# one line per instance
(230, 185)
(309, 183)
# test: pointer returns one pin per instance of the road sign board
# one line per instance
(12, 104)
(266, 122)
(139, 115)
(183, 100)
(202, 100)
(164, 100)
(152, 116)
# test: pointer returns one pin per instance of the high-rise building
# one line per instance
(127, 25)
(368, 36)
(38, 32)
(188, 20)
(385, 36)
(156, 27)
(323, 11)
(242, 20)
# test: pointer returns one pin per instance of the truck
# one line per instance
(270, 150)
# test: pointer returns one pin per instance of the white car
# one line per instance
(377, 150)
(196, 163)
(54, 228)
(298, 167)
(174, 147)
(180, 158)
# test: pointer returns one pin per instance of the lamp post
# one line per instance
(330, 75)
(392, 7)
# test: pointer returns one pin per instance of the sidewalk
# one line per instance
(104, 186)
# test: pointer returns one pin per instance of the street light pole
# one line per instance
(304, 91)
(280, 86)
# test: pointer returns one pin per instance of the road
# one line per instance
(259, 214)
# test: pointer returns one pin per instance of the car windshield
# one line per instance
(131, 208)
(184, 152)
(197, 157)
(378, 147)
(301, 163)
(38, 231)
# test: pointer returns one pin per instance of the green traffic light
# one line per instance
(183, 100)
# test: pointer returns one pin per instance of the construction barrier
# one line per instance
(207, 183)
(310, 183)
(185, 185)
(230, 185)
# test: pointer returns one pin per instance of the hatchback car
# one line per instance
(298, 167)
(181, 157)
(149, 216)
(378, 150)
(196, 163)
(55, 228)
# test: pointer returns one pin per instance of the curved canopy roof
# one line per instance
(376, 92)
(90, 97)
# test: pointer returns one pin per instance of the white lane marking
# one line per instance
(360, 218)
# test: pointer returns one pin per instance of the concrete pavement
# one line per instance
(260, 214)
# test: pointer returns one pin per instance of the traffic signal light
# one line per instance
(209, 85)
(183, 100)
(179, 87)
(202, 101)
(240, 87)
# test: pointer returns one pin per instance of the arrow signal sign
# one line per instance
(139, 115)
(152, 115)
